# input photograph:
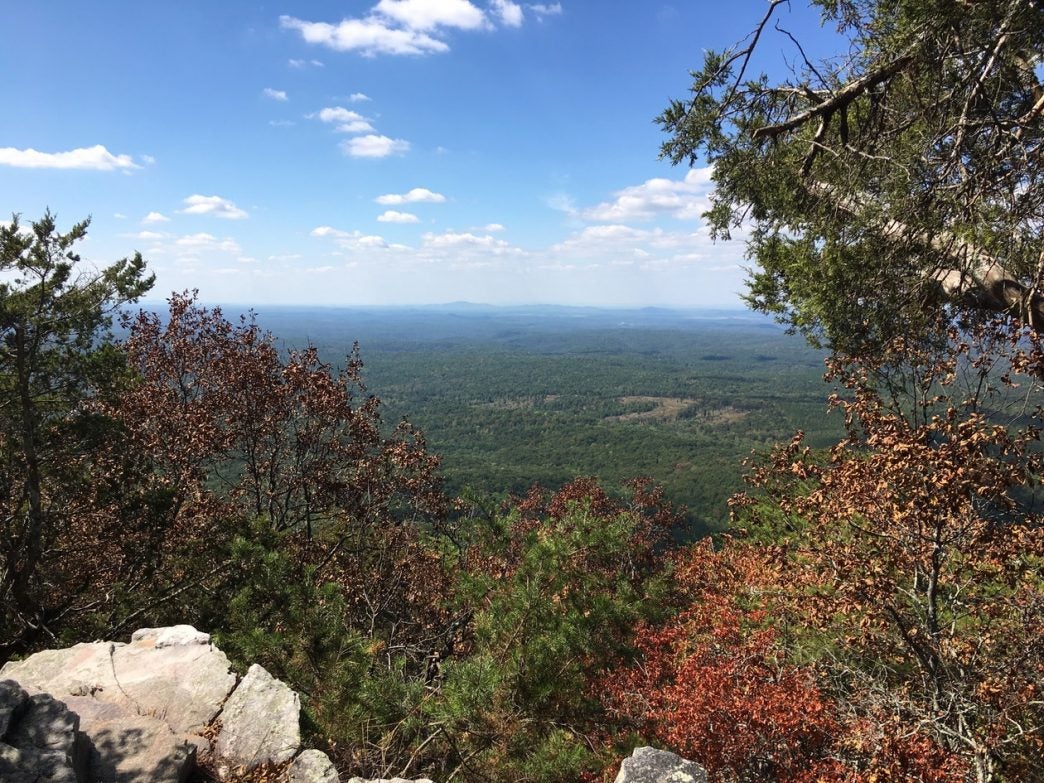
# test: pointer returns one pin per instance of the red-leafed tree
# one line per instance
(228, 420)
(235, 434)
(913, 555)
(713, 683)
(718, 683)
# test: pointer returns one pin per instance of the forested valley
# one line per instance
(515, 397)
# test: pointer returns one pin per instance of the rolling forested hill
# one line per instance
(510, 397)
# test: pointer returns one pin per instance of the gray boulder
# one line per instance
(13, 702)
(129, 748)
(312, 766)
(130, 704)
(260, 723)
(42, 741)
(177, 677)
(649, 765)
(107, 712)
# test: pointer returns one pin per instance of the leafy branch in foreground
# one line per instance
(898, 177)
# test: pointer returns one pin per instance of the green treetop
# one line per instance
(893, 181)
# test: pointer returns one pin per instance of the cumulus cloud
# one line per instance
(429, 14)
(684, 199)
(509, 13)
(359, 97)
(347, 120)
(412, 196)
(96, 158)
(542, 9)
(148, 235)
(411, 27)
(275, 95)
(369, 37)
(154, 217)
(355, 240)
(374, 146)
(393, 216)
(454, 239)
(213, 205)
(208, 242)
(492, 227)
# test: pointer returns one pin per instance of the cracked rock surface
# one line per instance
(259, 723)
(108, 712)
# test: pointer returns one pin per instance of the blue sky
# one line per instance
(391, 152)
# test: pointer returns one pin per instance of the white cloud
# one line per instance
(413, 196)
(349, 121)
(213, 205)
(189, 248)
(492, 227)
(356, 126)
(354, 240)
(328, 231)
(429, 14)
(393, 216)
(685, 199)
(543, 9)
(407, 27)
(359, 97)
(370, 37)
(562, 202)
(148, 160)
(374, 146)
(606, 236)
(119, 216)
(510, 13)
(453, 239)
(154, 217)
(275, 95)
(305, 63)
(95, 158)
(338, 114)
(208, 242)
(282, 123)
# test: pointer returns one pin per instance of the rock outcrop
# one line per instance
(108, 712)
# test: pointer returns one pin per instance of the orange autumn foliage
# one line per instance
(715, 685)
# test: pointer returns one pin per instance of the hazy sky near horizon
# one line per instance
(379, 152)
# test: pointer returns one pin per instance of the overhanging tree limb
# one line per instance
(836, 101)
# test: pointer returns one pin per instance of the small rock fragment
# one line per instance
(649, 765)
(312, 766)
(260, 723)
